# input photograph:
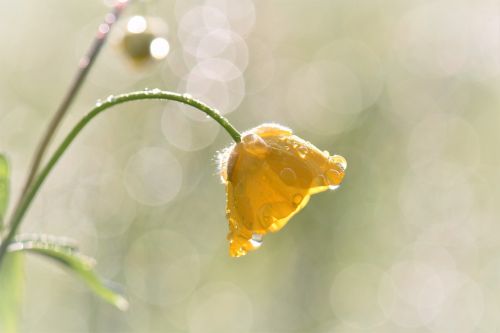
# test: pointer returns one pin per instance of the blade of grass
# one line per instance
(11, 292)
(4, 187)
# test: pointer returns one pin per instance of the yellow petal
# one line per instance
(270, 176)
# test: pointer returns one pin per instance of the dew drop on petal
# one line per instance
(319, 181)
(265, 215)
(303, 151)
(334, 176)
(255, 145)
(288, 176)
(256, 240)
(297, 199)
(339, 160)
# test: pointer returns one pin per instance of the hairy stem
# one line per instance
(21, 210)
(84, 67)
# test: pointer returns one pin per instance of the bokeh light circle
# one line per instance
(162, 267)
(153, 176)
(186, 133)
(220, 308)
(354, 296)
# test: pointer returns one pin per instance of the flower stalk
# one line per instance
(111, 101)
(84, 67)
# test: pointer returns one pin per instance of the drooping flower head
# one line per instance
(270, 176)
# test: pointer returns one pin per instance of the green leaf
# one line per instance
(4, 187)
(65, 252)
(11, 290)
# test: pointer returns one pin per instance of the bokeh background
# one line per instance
(407, 91)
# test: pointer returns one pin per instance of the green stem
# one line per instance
(110, 102)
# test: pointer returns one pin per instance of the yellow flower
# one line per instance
(270, 176)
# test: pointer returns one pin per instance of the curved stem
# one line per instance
(110, 102)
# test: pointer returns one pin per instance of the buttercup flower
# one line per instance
(270, 176)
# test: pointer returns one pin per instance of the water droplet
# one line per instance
(110, 98)
(333, 187)
(156, 91)
(98, 103)
(256, 240)
(187, 96)
(334, 177)
(103, 29)
(110, 18)
(303, 151)
(255, 145)
(288, 176)
(297, 199)
(16, 246)
(265, 216)
(339, 160)
(319, 181)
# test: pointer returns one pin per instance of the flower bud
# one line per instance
(270, 176)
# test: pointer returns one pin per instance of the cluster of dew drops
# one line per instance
(332, 178)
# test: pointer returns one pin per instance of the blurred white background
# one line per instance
(407, 91)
